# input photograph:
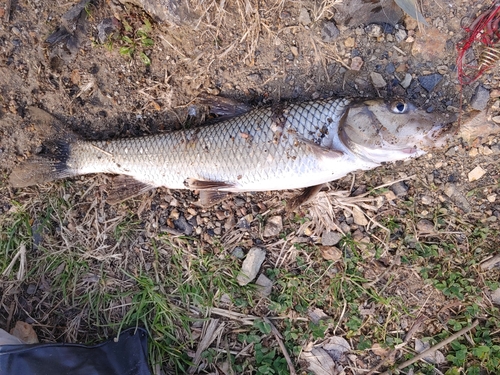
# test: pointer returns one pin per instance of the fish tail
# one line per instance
(43, 168)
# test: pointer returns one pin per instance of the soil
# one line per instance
(258, 52)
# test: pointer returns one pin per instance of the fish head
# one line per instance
(382, 131)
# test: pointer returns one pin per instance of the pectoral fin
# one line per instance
(308, 194)
(124, 187)
(193, 183)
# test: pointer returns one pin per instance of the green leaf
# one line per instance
(145, 59)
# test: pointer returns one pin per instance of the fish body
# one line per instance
(273, 148)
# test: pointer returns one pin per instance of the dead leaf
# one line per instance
(336, 346)
(320, 362)
(379, 350)
(330, 253)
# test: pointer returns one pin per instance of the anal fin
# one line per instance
(124, 187)
(306, 196)
(210, 197)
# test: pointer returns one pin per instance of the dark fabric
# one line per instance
(127, 356)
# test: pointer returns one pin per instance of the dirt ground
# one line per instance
(116, 72)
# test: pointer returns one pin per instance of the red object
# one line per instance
(484, 30)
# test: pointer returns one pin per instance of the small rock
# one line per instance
(495, 296)
(350, 42)
(251, 265)
(496, 119)
(390, 196)
(356, 63)
(304, 17)
(450, 190)
(486, 151)
(405, 83)
(400, 189)
(430, 81)
(476, 173)
(473, 152)
(480, 98)
(451, 151)
(182, 225)
(390, 68)
(329, 32)
(294, 50)
(425, 226)
(374, 30)
(264, 285)
(31, 289)
(426, 200)
(359, 217)
(442, 69)
(274, 226)
(491, 198)
(24, 332)
(244, 222)
(238, 252)
(329, 238)
(400, 35)
(377, 80)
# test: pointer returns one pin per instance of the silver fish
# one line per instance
(295, 146)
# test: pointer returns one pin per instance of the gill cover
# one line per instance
(386, 131)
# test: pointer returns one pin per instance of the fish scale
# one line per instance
(240, 151)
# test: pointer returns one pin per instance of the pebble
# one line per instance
(496, 119)
(495, 296)
(399, 188)
(430, 81)
(450, 190)
(329, 32)
(274, 226)
(491, 198)
(377, 80)
(425, 225)
(264, 285)
(349, 42)
(304, 17)
(182, 225)
(480, 98)
(251, 265)
(473, 152)
(359, 217)
(329, 238)
(476, 173)
(426, 200)
(356, 63)
(405, 83)
(238, 252)
(400, 35)
(374, 30)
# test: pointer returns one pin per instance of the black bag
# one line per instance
(127, 356)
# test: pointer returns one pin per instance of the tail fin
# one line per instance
(43, 168)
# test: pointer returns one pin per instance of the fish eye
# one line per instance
(399, 106)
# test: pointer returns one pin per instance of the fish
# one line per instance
(292, 146)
